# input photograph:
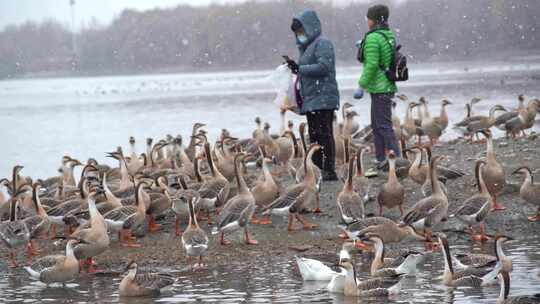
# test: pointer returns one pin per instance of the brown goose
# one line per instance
(392, 193)
(215, 189)
(56, 268)
(476, 208)
(194, 239)
(136, 284)
(504, 298)
(135, 163)
(430, 210)
(191, 148)
(418, 171)
(300, 173)
(350, 204)
(389, 232)
(442, 119)
(479, 260)
(298, 197)
(426, 186)
(94, 240)
(265, 191)
(409, 127)
(479, 123)
(361, 183)
(475, 277)
(530, 191)
(429, 124)
(128, 218)
(493, 173)
(343, 170)
(238, 210)
(13, 233)
(352, 287)
(382, 266)
(39, 224)
(160, 202)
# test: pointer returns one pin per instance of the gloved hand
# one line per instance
(293, 66)
(358, 94)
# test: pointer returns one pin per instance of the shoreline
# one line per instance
(161, 249)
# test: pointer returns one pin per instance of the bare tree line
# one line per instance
(255, 34)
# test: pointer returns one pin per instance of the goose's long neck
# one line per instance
(266, 172)
(392, 177)
(350, 282)
(481, 184)
(133, 153)
(417, 160)
(529, 178)
(124, 172)
(283, 123)
(499, 251)
(448, 268)
(240, 182)
(308, 167)
(505, 288)
(192, 218)
(360, 164)
(108, 193)
(95, 216)
(490, 154)
(69, 250)
(443, 111)
(435, 185)
(379, 256)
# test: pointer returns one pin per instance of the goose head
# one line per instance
(131, 140)
(446, 102)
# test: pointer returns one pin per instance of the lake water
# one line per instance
(276, 280)
(43, 119)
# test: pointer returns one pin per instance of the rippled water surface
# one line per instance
(275, 279)
(43, 119)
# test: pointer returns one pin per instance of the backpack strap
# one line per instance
(387, 41)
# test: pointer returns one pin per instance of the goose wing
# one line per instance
(233, 210)
(153, 281)
(351, 206)
(422, 209)
(478, 205)
(64, 208)
(120, 213)
(469, 280)
(288, 198)
(449, 173)
(47, 262)
(375, 283)
(195, 237)
(505, 117)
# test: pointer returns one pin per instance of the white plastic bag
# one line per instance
(283, 81)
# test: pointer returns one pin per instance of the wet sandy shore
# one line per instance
(163, 250)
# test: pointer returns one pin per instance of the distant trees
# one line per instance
(255, 34)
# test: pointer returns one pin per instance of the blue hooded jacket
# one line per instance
(317, 67)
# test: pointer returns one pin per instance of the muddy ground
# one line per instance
(162, 249)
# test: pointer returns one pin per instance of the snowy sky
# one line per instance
(19, 11)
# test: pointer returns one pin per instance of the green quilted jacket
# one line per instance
(376, 51)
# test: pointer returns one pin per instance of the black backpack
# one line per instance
(398, 70)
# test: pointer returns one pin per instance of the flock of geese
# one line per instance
(234, 183)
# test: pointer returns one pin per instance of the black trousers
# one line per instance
(381, 123)
(321, 132)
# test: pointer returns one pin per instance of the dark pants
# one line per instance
(381, 123)
(321, 132)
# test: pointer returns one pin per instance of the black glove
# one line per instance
(293, 66)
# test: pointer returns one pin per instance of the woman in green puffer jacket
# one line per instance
(378, 48)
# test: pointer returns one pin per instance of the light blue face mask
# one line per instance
(302, 38)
